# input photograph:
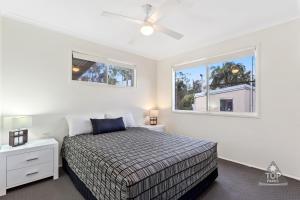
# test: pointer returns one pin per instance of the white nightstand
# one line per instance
(30, 162)
(158, 127)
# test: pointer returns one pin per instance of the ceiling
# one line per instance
(201, 21)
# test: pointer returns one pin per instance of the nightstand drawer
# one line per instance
(29, 159)
(29, 174)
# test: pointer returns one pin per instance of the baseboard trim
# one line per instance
(256, 167)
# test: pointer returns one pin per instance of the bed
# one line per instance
(139, 164)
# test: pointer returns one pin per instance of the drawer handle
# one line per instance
(32, 173)
(31, 159)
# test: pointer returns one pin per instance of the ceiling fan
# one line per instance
(149, 24)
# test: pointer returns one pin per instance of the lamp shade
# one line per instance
(154, 113)
(21, 122)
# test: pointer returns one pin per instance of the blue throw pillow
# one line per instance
(107, 125)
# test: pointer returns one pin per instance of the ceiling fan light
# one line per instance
(147, 29)
(75, 69)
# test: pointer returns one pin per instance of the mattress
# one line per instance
(139, 163)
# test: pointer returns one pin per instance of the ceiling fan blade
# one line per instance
(115, 15)
(168, 32)
(165, 8)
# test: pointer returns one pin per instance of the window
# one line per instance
(219, 84)
(92, 69)
(188, 83)
(120, 76)
(226, 105)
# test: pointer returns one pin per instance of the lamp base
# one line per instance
(153, 121)
(18, 137)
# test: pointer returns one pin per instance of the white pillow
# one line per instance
(81, 124)
(127, 118)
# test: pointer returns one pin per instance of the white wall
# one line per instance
(1, 95)
(36, 77)
(275, 135)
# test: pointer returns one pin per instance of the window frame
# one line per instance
(220, 58)
(107, 61)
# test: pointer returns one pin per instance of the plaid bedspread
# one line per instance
(139, 163)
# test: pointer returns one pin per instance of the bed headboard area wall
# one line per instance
(37, 65)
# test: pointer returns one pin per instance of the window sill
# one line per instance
(222, 114)
(90, 83)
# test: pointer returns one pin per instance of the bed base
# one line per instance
(191, 194)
